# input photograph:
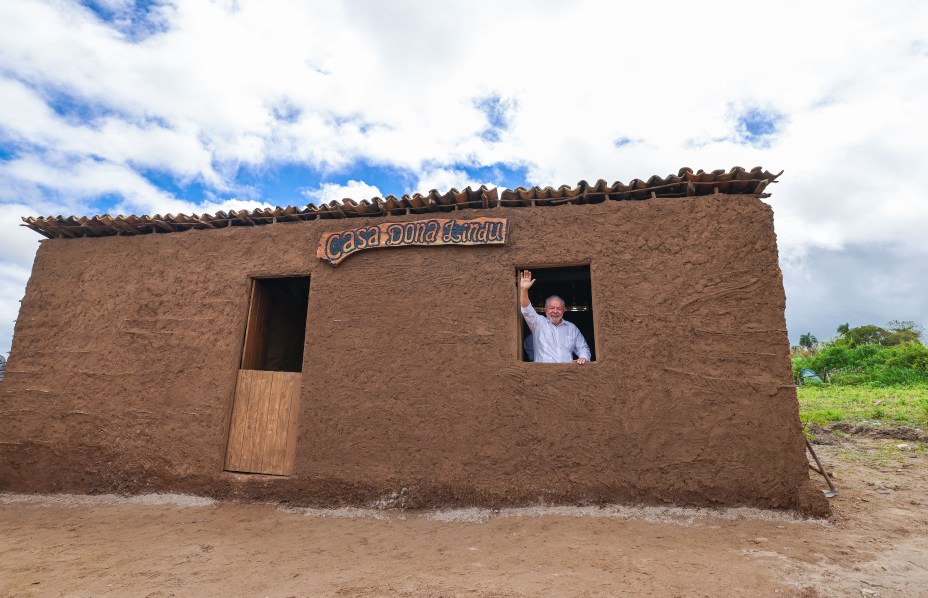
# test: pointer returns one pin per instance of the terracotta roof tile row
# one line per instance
(685, 184)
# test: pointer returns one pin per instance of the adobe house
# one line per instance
(373, 351)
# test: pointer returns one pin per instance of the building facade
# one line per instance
(221, 356)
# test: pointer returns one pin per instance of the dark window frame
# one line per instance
(542, 290)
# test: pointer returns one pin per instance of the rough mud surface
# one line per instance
(875, 544)
(126, 353)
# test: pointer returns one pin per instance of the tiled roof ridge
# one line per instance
(686, 183)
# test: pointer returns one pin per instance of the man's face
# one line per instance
(555, 311)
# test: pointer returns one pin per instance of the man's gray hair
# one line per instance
(552, 298)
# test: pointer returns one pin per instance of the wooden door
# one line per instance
(262, 437)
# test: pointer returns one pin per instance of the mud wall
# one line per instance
(125, 355)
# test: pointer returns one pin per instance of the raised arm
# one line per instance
(528, 312)
(525, 283)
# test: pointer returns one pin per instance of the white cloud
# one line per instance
(355, 190)
(86, 179)
(26, 118)
(445, 179)
(875, 283)
(13, 279)
(18, 244)
(88, 106)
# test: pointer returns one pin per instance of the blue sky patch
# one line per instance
(280, 185)
(78, 111)
(7, 151)
(504, 175)
(389, 179)
(140, 20)
(756, 126)
(103, 204)
(73, 110)
(286, 112)
(287, 184)
(193, 190)
(498, 113)
(622, 141)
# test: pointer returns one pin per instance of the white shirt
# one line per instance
(554, 344)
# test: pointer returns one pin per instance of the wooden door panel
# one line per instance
(262, 437)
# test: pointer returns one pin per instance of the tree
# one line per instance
(864, 335)
(808, 341)
(903, 331)
(897, 332)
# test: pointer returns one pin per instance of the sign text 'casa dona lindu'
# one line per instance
(336, 246)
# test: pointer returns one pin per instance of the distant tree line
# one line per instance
(896, 332)
(867, 354)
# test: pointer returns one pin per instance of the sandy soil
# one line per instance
(876, 544)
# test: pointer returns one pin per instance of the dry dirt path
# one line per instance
(876, 544)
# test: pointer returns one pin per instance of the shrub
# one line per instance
(903, 364)
(907, 355)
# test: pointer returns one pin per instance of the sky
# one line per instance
(156, 107)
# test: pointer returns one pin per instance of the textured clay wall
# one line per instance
(126, 350)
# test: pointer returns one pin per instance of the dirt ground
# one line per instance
(876, 544)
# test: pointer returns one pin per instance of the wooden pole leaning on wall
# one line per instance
(832, 491)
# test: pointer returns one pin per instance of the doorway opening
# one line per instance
(276, 329)
(262, 434)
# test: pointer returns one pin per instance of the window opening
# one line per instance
(572, 284)
(276, 330)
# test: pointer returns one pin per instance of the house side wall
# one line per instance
(125, 356)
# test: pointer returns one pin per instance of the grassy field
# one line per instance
(886, 406)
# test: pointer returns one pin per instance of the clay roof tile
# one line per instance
(684, 184)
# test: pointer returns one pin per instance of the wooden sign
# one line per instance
(334, 247)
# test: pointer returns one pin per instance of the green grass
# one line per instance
(898, 405)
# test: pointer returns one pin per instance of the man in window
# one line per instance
(555, 340)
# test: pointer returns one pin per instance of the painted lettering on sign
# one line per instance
(335, 247)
